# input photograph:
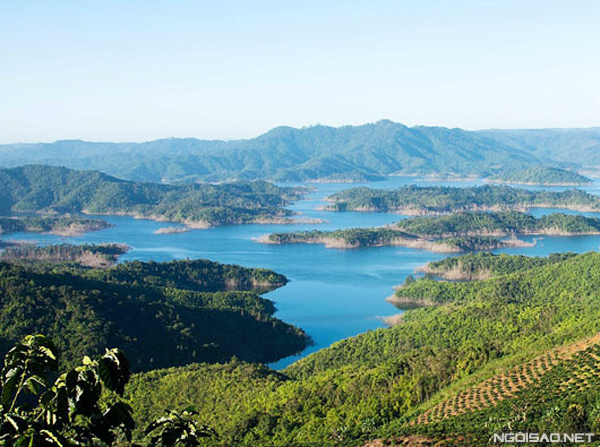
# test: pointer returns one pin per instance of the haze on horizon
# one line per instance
(143, 70)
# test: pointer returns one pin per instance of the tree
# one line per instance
(82, 407)
(177, 429)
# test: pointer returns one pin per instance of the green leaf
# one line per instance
(114, 370)
(119, 414)
(54, 438)
(18, 422)
(10, 382)
(35, 384)
(156, 424)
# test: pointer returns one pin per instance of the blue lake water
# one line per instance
(332, 294)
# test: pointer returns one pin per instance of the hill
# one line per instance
(555, 392)
(484, 265)
(286, 154)
(34, 188)
(60, 225)
(86, 255)
(419, 200)
(378, 384)
(160, 314)
(541, 175)
(567, 147)
(449, 233)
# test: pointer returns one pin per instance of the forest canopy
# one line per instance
(160, 314)
(412, 199)
(44, 189)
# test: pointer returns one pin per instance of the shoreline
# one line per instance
(203, 224)
(405, 303)
(443, 178)
(416, 211)
(505, 182)
(330, 242)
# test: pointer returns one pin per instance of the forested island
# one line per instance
(485, 265)
(44, 189)
(161, 314)
(420, 200)
(451, 233)
(453, 372)
(541, 175)
(86, 255)
(59, 225)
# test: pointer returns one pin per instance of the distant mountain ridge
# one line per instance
(568, 147)
(364, 152)
(355, 153)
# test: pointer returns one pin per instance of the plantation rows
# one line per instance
(579, 369)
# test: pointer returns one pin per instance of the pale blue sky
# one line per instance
(140, 70)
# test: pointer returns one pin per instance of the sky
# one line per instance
(140, 70)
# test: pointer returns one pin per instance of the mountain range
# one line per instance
(366, 152)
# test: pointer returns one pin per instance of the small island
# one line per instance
(86, 255)
(541, 175)
(59, 225)
(453, 233)
(172, 230)
(415, 200)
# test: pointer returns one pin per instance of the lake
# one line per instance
(332, 294)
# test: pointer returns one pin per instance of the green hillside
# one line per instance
(456, 232)
(378, 384)
(34, 188)
(412, 199)
(286, 154)
(484, 265)
(570, 147)
(61, 225)
(556, 391)
(160, 314)
(357, 153)
(87, 255)
(541, 175)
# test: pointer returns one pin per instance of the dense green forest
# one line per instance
(160, 314)
(34, 188)
(564, 147)
(365, 152)
(382, 383)
(484, 265)
(501, 223)
(412, 199)
(541, 175)
(457, 232)
(460, 367)
(88, 255)
(62, 225)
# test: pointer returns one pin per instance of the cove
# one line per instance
(332, 294)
